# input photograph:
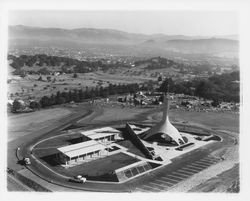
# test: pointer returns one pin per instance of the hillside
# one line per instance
(203, 45)
(82, 35)
(118, 42)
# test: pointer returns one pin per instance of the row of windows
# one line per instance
(137, 170)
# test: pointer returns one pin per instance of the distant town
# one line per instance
(53, 74)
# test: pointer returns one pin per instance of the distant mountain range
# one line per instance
(36, 36)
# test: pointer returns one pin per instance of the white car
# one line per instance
(79, 179)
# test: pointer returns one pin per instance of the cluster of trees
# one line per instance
(218, 87)
(161, 62)
(81, 95)
(69, 65)
(156, 63)
(17, 106)
(77, 95)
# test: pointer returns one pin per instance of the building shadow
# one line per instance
(51, 160)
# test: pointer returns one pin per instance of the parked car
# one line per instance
(78, 179)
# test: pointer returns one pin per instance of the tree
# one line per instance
(35, 105)
(75, 75)
(75, 96)
(61, 100)
(201, 89)
(87, 93)
(52, 100)
(16, 106)
(160, 78)
(48, 78)
(166, 85)
(45, 101)
(66, 96)
(22, 73)
(70, 96)
(215, 103)
(40, 78)
(44, 71)
(104, 92)
(92, 94)
(81, 95)
(58, 96)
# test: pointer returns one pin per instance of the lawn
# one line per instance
(100, 169)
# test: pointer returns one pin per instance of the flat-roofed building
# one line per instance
(103, 135)
(81, 152)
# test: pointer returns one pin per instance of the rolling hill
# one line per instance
(20, 36)
(210, 45)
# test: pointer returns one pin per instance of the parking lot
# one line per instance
(169, 180)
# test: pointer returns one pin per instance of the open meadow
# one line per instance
(31, 86)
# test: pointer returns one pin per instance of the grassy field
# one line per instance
(214, 120)
(27, 123)
(117, 113)
(30, 86)
(221, 121)
(22, 124)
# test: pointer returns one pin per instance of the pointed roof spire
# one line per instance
(164, 126)
(165, 107)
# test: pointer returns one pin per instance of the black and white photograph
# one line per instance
(123, 101)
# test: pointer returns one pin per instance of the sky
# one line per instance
(203, 23)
